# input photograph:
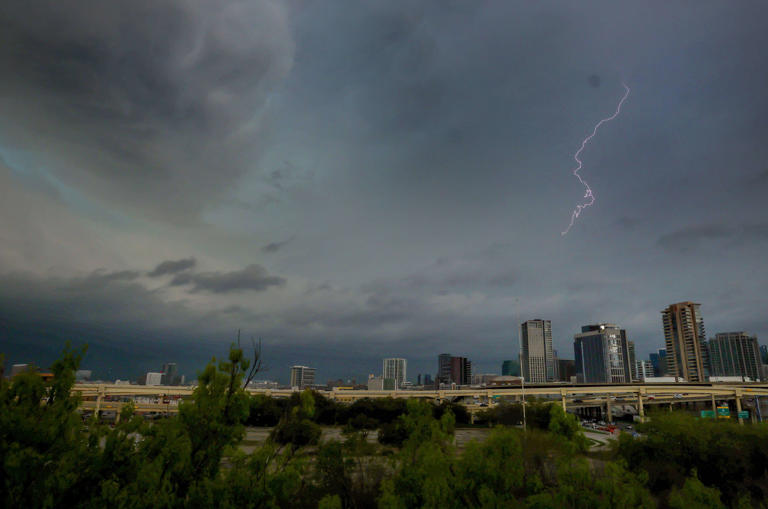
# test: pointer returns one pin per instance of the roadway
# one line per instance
(164, 399)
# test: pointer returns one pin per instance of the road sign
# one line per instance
(744, 414)
(723, 412)
(708, 414)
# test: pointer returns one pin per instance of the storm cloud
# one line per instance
(253, 277)
(172, 267)
(352, 180)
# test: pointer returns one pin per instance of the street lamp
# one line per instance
(522, 380)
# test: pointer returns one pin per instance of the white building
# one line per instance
(152, 378)
(644, 369)
(302, 376)
(395, 368)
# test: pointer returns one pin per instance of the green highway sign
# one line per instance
(710, 414)
(744, 414)
(723, 412)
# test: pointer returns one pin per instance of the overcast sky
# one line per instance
(351, 180)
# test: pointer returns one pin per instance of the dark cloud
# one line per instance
(251, 278)
(151, 105)
(401, 139)
(172, 267)
(107, 276)
(274, 247)
(691, 238)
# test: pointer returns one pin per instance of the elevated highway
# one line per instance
(165, 399)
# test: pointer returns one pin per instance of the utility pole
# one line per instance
(520, 357)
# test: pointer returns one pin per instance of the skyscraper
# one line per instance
(510, 368)
(536, 356)
(444, 368)
(602, 354)
(631, 349)
(461, 371)
(394, 368)
(735, 354)
(659, 363)
(170, 374)
(685, 338)
(302, 376)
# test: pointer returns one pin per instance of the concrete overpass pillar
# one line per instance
(562, 398)
(99, 397)
(608, 408)
(738, 406)
(714, 405)
(640, 409)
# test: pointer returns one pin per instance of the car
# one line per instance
(651, 396)
(578, 401)
(678, 396)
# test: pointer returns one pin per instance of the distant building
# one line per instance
(734, 354)
(17, 369)
(501, 381)
(764, 353)
(171, 374)
(378, 383)
(395, 368)
(453, 370)
(263, 384)
(631, 350)
(659, 363)
(483, 378)
(302, 376)
(510, 368)
(537, 357)
(602, 354)
(686, 341)
(444, 368)
(151, 378)
(461, 371)
(643, 370)
(83, 375)
(428, 379)
(566, 369)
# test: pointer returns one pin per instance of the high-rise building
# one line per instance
(536, 357)
(764, 353)
(631, 350)
(566, 368)
(602, 354)
(170, 374)
(659, 363)
(302, 376)
(394, 368)
(510, 368)
(685, 338)
(444, 368)
(735, 354)
(643, 370)
(461, 371)
(428, 379)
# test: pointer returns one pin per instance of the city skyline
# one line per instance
(392, 187)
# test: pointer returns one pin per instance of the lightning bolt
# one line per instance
(588, 194)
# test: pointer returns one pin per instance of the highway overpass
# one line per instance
(165, 399)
